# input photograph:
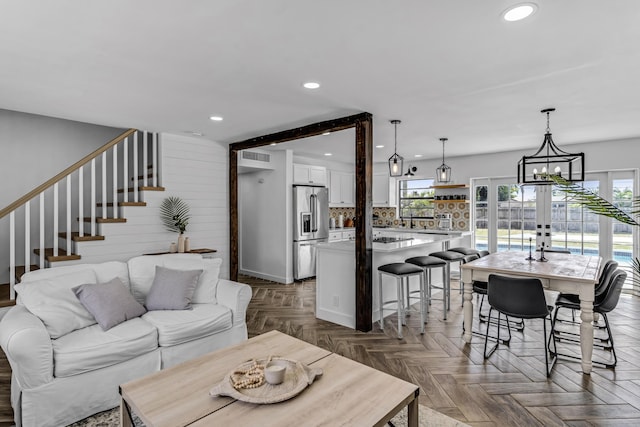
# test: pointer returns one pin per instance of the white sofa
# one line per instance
(60, 380)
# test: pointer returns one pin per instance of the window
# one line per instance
(416, 198)
(573, 226)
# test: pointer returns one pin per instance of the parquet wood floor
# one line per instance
(509, 389)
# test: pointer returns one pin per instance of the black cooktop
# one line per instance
(389, 239)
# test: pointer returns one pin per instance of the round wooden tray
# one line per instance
(297, 377)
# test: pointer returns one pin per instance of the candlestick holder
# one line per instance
(530, 257)
(542, 258)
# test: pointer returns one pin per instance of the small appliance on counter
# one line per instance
(444, 221)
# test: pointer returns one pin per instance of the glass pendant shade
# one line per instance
(396, 162)
(549, 159)
(443, 173)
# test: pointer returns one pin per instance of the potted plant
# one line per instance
(174, 213)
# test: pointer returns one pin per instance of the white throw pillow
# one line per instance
(205, 292)
(53, 302)
(142, 271)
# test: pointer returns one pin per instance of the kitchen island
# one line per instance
(336, 268)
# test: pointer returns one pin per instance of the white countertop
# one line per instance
(456, 233)
(418, 239)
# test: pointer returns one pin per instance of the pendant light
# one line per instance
(396, 160)
(443, 173)
(549, 159)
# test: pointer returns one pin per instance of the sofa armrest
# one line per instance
(28, 347)
(236, 296)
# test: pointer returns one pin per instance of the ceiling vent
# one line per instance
(254, 161)
(258, 157)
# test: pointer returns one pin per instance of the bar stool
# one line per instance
(426, 263)
(465, 251)
(400, 271)
(449, 257)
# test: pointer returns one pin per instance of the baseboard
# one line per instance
(260, 275)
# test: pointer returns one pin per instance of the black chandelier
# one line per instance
(550, 160)
(396, 160)
(443, 172)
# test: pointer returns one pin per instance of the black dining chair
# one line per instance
(603, 304)
(521, 298)
(603, 281)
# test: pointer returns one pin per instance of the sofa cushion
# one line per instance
(53, 301)
(172, 289)
(104, 272)
(92, 348)
(205, 292)
(142, 272)
(110, 303)
(179, 326)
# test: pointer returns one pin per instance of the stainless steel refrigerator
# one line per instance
(310, 227)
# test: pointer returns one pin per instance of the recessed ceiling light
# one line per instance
(197, 134)
(417, 155)
(216, 118)
(327, 133)
(311, 85)
(519, 11)
(379, 146)
(274, 143)
(328, 154)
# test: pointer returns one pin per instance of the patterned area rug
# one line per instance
(427, 417)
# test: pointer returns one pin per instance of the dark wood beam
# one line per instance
(233, 213)
(314, 129)
(363, 124)
(364, 215)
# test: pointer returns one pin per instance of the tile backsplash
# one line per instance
(388, 216)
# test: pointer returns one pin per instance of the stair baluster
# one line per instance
(135, 168)
(123, 166)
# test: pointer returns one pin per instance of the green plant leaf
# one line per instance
(174, 213)
(601, 206)
(594, 202)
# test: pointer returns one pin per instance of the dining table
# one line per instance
(565, 273)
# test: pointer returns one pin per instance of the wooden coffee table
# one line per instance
(348, 393)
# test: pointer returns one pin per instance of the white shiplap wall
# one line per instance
(193, 169)
(197, 171)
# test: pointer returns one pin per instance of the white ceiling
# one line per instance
(449, 68)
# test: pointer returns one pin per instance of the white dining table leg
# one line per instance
(586, 330)
(468, 310)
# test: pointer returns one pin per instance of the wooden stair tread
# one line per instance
(62, 255)
(142, 188)
(20, 270)
(5, 301)
(110, 204)
(101, 220)
(75, 236)
(141, 177)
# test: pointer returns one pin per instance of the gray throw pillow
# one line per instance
(110, 303)
(172, 289)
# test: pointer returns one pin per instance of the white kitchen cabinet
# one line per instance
(380, 189)
(341, 188)
(338, 235)
(335, 236)
(309, 174)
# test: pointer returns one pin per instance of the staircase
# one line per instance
(49, 226)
